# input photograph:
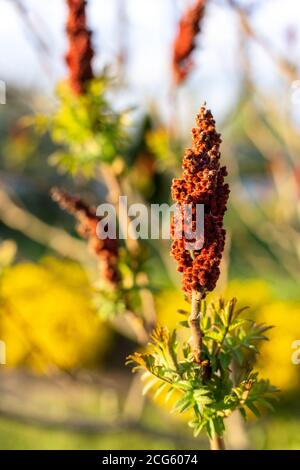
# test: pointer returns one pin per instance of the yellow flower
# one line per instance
(46, 316)
(251, 292)
(167, 304)
(275, 360)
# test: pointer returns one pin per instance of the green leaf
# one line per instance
(160, 389)
(265, 402)
(169, 394)
(239, 311)
(238, 355)
(214, 335)
(198, 428)
(182, 312)
(186, 350)
(219, 427)
(149, 385)
(237, 324)
(224, 360)
(204, 400)
(210, 429)
(184, 403)
(243, 413)
(253, 408)
(183, 385)
(201, 392)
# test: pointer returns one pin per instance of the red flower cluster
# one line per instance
(80, 53)
(202, 182)
(184, 44)
(107, 249)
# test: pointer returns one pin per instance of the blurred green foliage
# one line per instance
(86, 127)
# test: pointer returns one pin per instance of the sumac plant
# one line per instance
(93, 143)
(211, 370)
(85, 127)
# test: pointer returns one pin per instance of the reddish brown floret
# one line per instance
(185, 41)
(80, 52)
(202, 182)
(106, 250)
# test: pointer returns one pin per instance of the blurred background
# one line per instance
(64, 384)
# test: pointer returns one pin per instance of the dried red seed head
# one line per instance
(202, 182)
(80, 52)
(106, 250)
(185, 41)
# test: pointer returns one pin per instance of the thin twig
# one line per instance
(57, 239)
(115, 190)
(287, 69)
(216, 442)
